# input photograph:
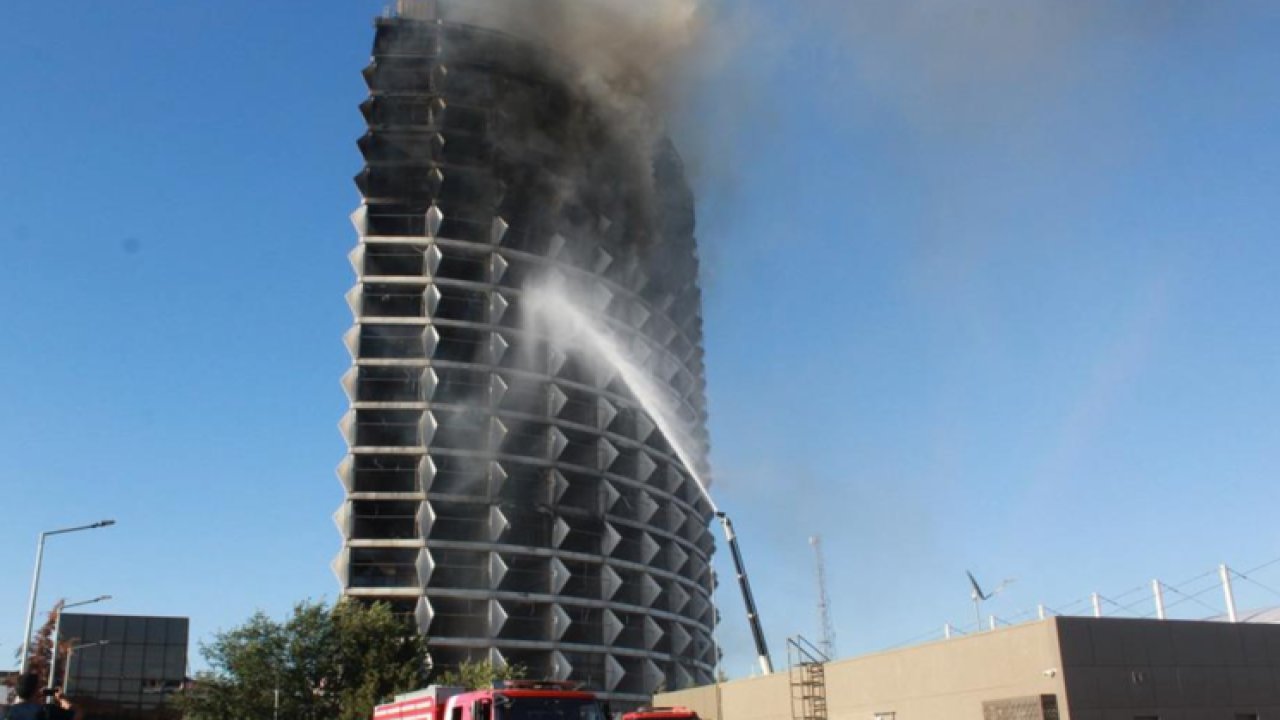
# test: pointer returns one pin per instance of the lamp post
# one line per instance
(35, 581)
(57, 633)
(66, 672)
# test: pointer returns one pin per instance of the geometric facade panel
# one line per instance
(506, 484)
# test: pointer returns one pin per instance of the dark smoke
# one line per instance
(628, 60)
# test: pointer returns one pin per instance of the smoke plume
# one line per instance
(627, 60)
(622, 51)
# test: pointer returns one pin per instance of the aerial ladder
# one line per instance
(753, 617)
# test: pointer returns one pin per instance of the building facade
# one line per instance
(1062, 668)
(507, 489)
(126, 667)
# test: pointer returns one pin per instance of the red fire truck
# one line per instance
(507, 700)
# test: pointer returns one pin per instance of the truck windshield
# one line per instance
(548, 708)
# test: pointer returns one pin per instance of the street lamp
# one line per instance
(66, 672)
(35, 581)
(57, 632)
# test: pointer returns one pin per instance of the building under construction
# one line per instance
(510, 493)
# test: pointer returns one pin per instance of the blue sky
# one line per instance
(989, 286)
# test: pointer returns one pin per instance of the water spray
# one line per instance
(551, 309)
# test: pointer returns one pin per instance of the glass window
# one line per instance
(178, 632)
(72, 626)
(175, 662)
(132, 663)
(153, 661)
(115, 629)
(112, 658)
(86, 663)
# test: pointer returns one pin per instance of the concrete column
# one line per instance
(1157, 590)
(1097, 605)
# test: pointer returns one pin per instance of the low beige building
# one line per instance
(1063, 668)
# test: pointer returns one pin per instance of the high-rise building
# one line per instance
(509, 490)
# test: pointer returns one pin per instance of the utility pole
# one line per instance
(57, 633)
(828, 641)
(35, 583)
(1225, 573)
(71, 653)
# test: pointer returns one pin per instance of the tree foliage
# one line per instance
(322, 663)
(41, 646)
(477, 675)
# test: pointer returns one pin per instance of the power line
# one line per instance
(1195, 597)
(1204, 574)
(918, 638)
(1187, 595)
(1135, 602)
(1066, 608)
(1255, 582)
(1126, 593)
(1268, 563)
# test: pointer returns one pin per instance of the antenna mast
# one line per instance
(828, 641)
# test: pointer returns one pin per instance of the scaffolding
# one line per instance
(808, 680)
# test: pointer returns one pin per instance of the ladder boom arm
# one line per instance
(753, 617)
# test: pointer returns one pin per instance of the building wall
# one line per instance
(131, 677)
(946, 680)
(509, 492)
(1098, 669)
(1120, 669)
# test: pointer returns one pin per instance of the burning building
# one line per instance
(509, 489)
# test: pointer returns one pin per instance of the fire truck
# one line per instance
(506, 700)
(661, 713)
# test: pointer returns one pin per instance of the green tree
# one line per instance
(372, 637)
(478, 675)
(322, 663)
